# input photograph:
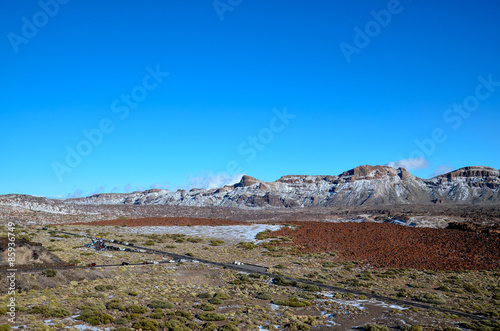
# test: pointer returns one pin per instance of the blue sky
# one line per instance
(116, 96)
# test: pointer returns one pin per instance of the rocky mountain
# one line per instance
(362, 186)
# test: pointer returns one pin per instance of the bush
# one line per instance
(209, 316)
(116, 305)
(121, 321)
(375, 327)
(206, 307)
(59, 313)
(93, 317)
(209, 326)
(123, 329)
(161, 304)
(3, 311)
(430, 298)
(102, 288)
(5, 327)
(247, 245)
(158, 314)
(292, 302)
(49, 273)
(184, 314)
(204, 295)
(216, 242)
(294, 326)
(216, 301)
(265, 296)
(146, 325)
(133, 294)
(284, 282)
(194, 240)
(228, 327)
(136, 309)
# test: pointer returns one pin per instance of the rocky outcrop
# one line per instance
(362, 186)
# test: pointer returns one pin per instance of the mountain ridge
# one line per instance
(364, 185)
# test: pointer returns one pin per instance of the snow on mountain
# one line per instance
(361, 186)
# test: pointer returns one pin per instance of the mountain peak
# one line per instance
(471, 172)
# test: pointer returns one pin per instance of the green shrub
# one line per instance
(206, 307)
(222, 296)
(194, 240)
(3, 311)
(209, 316)
(228, 327)
(204, 295)
(194, 326)
(121, 321)
(431, 298)
(216, 301)
(58, 313)
(121, 328)
(292, 302)
(161, 304)
(265, 296)
(184, 314)
(149, 243)
(115, 304)
(375, 327)
(216, 242)
(49, 273)
(42, 310)
(5, 327)
(158, 314)
(132, 317)
(209, 326)
(146, 325)
(136, 309)
(247, 245)
(102, 288)
(294, 326)
(133, 294)
(93, 317)
(284, 282)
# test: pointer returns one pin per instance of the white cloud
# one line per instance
(209, 181)
(442, 169)
(410, 164)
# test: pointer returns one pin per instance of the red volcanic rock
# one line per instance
(395, 246)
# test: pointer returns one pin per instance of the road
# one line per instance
(248, 268)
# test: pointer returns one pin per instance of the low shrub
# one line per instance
(292, 302)
(115, 304)
(137, 309)
(94, 317)
(146, 325)
(431, 298)
(264, 296)
(184, 314)
(158, 314)
(216, 242)
(121, 321)
(375, 327)
(209, 326)
(5, 327)
(161, 304)
(204, 295)
(209, 316)
(102, 288)
(206, 307)
(228, 327)
(49, 273)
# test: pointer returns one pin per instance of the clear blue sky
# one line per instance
(355, 98)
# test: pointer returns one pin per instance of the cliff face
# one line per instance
(362, 186)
